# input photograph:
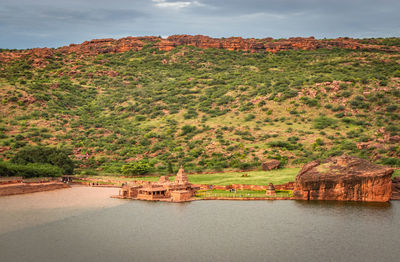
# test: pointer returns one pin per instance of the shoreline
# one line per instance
(27, 188)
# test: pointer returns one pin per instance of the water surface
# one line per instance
(84, 224)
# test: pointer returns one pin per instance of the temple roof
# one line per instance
(152, 189)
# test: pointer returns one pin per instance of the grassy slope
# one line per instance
(240, 108)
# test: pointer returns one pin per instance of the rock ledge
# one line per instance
(344, 178)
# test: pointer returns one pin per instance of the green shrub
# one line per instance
(186, 129)
(391, 108)
(359, 102)
(391, 161)
(283, 144)
(322, 122)
(249, 117)
(136, 168)
(29, 170)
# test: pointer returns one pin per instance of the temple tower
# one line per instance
(181, 177)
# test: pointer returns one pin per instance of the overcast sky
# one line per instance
(54, 23)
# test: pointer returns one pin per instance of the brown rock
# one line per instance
(270, 164)
(344, 178)
(394, 139)
(395, 188)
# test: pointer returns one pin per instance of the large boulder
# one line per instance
(344, 178)
(270, 164)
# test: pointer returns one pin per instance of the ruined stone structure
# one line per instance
(270, 190)
(344, 178)
(179, 190)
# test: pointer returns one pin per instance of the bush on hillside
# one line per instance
(322, 122)
(391, 161)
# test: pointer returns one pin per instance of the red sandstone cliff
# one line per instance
(109, 45)
(344, 178)
(396, 188)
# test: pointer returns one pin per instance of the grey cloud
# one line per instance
(24, 23)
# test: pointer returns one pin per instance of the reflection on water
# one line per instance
(345, 204)
(123, 230)
(20, 211)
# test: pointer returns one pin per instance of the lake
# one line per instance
(85, 224)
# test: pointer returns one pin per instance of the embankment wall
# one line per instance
(25, 188)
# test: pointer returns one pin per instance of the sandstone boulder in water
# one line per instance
(344, 178)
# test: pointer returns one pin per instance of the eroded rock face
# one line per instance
(344, 178)
(109, 45)
(396, 188)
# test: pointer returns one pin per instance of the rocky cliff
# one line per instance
(344, 178)
(109, 45)
(396, 188)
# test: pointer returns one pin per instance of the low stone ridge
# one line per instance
(102, 46)
(344, 178)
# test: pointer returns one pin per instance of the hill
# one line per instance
(209, 103)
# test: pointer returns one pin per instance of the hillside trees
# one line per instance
(44, 155)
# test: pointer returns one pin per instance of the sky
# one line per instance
(55, 23)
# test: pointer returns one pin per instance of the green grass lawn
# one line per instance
(277, 177)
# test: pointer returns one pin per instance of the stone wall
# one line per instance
(286, 186)
(22, 188)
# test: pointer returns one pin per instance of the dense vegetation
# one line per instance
(29, 170)
(44, 155)
(209, 109)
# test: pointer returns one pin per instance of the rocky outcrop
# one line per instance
(101, 46)
(396, 188)
(344, 178)
(270, 164)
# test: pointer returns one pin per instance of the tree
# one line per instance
(44, 155)
(136, 168)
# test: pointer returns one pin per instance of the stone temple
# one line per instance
(179, 190)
